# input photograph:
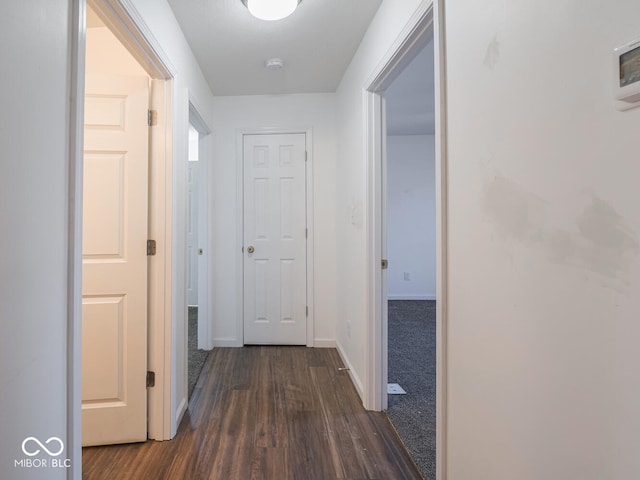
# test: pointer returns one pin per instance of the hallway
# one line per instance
(266, 413)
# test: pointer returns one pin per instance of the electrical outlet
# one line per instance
(407, 276)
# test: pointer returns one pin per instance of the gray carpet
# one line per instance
(196, 357)
(412, 364)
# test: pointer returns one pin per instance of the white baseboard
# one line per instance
(232, 342)
(324, 343)
(402, 296)
(352, 373)
(182, 408)
(226, 342)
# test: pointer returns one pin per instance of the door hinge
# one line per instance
(152, 117)
(385, 263)
(151, 247)
(151, 379)
(306, 233)
(306, 156)
(307, 310)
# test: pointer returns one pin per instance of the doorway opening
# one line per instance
(411, 252)
(198, 322)
(389, 195)
(116, 44)
(115, 228)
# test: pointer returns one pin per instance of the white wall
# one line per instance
(34, 158)
(231, 114)
(544, 237)
(411, 217)
(34, 148)
(544, 243)
(188, 84)
(351, 332)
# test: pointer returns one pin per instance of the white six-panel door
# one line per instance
(114, 270)
(275, 263)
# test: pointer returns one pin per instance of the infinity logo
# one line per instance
(34, 439)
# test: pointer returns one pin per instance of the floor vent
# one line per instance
(395, 389)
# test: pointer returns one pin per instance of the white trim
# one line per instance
(239, 340)
(429, 15)
(179, 393)
(324, 343)
(126, 23)
(308, 132)
(410, 296)
(74, 255)
(441, 238)
(384, 274)
(182, 407)
(405, 48)
(160, 266)
(373, 391)
(352, 372)
(310, 239)
(226, 342)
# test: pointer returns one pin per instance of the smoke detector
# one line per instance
(274, 64)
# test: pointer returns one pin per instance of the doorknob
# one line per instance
(250, 249)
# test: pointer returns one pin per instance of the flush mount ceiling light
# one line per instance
(271, 9)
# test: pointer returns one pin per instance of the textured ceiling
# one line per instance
(316, 43)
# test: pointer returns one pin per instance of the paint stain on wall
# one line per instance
(598, 240)
(355, 216)
(518, 212)
(605, 244)
(492, 55)
(604, 228)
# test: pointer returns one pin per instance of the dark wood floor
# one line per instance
(266, 413)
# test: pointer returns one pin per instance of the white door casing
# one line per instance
(114, 285)
(275, 246)
(192, 232)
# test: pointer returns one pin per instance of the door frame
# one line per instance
(122, 18)
(428, 18)
(205, 147)
(240, 224)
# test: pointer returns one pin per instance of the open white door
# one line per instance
(275, 247)
(114, 258)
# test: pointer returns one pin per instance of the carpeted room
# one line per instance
(412, 365)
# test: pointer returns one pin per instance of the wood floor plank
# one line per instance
(271, 424)
(269, 463)
(266, 413)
